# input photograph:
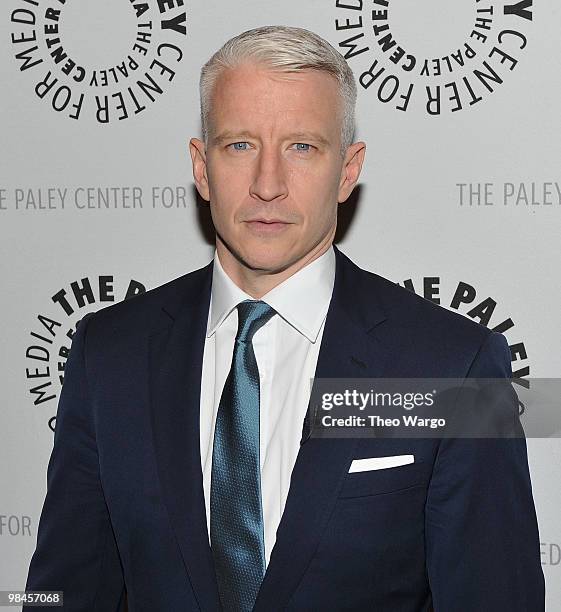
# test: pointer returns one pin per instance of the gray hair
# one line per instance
(286, 49)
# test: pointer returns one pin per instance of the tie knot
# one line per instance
(252, 315)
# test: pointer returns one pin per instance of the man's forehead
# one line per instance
(251, 95)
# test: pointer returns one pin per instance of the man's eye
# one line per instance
(244, 146)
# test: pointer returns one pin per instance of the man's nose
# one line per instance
(269, 180)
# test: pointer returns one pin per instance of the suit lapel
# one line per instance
(176, 354)
(349, 349)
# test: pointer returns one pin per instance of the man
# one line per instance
(182, 470)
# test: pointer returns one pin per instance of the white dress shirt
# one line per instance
(286, 350)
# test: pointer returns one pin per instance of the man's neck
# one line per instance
(257, 283)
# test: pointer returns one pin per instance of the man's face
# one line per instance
(273, 169)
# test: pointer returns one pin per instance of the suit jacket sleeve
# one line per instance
(482, 542)
(76, 550)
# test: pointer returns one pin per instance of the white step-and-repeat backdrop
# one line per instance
(460, 198)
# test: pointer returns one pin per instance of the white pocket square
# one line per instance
(380, 463)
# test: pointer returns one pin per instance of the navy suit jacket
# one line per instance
(455, 532)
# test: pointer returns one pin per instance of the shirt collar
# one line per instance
(302, 300)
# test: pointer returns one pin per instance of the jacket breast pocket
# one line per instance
(387, 480)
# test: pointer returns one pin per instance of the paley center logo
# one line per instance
(463, 297)
(51, 332)
(107, 60)
(437, 57)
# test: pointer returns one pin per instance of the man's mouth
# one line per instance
(268, 226)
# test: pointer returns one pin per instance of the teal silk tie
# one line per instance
(236, 516)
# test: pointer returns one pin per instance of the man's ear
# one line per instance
(352, 165)
(198, 158)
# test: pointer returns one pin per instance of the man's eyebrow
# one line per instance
(313, 136)
(229, 135)
(295, 137)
